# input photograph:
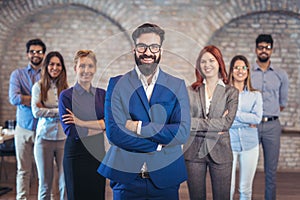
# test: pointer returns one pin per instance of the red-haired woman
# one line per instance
(213, 108)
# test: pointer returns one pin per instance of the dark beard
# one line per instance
(146, 69)
(263, 60)
(36, 63)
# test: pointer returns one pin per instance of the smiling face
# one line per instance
(209, 66)
(55, 67)
(148, 60)
(264, 51)
(85, 70)
(240, 71)
(35, 55)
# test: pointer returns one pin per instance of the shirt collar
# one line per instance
(29, 68)
(220, 82)
(81, 90)
(53, 84)
(256, 66)
(143, 77)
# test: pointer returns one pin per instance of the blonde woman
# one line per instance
(81, 110)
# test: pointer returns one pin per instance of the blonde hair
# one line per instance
(84, 53)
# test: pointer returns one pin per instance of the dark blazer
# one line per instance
(204, 137)
(165, 120)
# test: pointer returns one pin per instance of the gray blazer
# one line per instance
(204, 137)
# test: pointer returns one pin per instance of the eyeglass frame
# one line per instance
(147, 47)
(39, 52)
(244, 68)
(261, 48)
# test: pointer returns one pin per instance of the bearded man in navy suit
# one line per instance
(147, 118)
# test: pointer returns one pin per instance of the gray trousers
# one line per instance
(220, 175)
(45, 152)
(24, 140)
(269, 137)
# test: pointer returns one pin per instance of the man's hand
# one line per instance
(26, 100)
(132, 125)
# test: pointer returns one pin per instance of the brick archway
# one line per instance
(119, 16)
(12, 13)
(20, 21)
(225, 12)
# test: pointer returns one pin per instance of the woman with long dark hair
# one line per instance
(50, 137)
(243, 132)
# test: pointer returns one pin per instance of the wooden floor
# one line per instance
(288, 184)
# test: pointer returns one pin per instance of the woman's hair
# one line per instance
(222, 69)
(60, 81)
(247, 82)
(84, 53)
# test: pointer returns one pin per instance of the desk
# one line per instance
(6, 134)
(6, 137)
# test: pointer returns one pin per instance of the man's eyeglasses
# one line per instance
(32, 52)
(244, 68)
(269, 47)
(142, 48)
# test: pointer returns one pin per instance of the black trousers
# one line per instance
(80, 168)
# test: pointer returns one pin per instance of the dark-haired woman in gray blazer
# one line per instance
(213, 108)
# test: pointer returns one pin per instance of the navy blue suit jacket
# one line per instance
(165, 120)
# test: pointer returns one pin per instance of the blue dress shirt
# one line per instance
(273, 84)
(20, 83)
(242, 136)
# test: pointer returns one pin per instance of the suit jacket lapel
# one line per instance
(202, 100)
(158, 96)
(138, 87)
(161, 80)
(217, 96)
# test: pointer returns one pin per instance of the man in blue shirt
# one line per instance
(273, 83)
(20, 84)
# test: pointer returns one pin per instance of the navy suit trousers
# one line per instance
(143, 189)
